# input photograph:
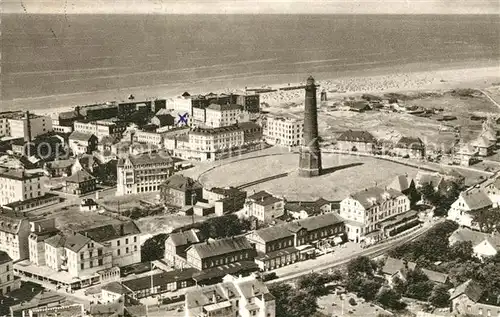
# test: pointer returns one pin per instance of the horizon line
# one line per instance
(242, 13)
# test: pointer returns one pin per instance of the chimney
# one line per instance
(27, 132)
(214, 298)
(122, 230)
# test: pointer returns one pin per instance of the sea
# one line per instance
(46, 55)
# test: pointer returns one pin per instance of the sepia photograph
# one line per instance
(249, 158)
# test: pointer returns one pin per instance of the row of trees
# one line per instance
(224, 226)
(458, 261)
(302, 300)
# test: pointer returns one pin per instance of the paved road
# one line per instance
(289, 273)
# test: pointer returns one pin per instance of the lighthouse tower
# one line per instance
(310, 154)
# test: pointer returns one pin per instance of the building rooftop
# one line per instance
(74, 242)
(392, 266)
(153, 158)
(466, 234)
(470, 288)
(185, 238)
(181, 183)
(79, 177)
(20, 175)
(482, 142)
(357, 136)
(161, 279)
(410, 143)
(10, 221)
(80, 136)
(436, 277)
(273, 233)
(373, 196)
(476, 198)
(222, 246)
(401, 183)
(117, 288)
(4, 257)
(313, 223)
(225, 107)
(110, 232)
(220, 130)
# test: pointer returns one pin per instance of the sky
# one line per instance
(254, 6)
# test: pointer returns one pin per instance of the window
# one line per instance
(8, 277)
(81, 256)
(99, 252)
(135, 239)
(126, 241)
(118, 252)
(126, 250)
(99, 262)
(7, 267)
(82, 266)
(118, 243)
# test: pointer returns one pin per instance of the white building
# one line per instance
(365, 210)
(217, 116)
(207, 142)
(100, 128)
(284, 130)
(19, 186)
(180, 105)
(38, 125)
(122, 240)
(143, 173)
(484, 245)
(243, 296)
(470, 201)
(264, 206)
(153, 138)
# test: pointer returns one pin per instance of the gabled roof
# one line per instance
(313, 223)
(79, 177)
(10, 221)
(392, 266)
(357, 136)
(165, 119)
(482, 142)
(117, 288)
(435, 277)
(74, 242)
(181, 183)
(476, 198)
(80, 136)
(60, 164)
(110, 232)
(273, 233)
(401, 183)
(184, 238)
(219, 247)
(466, 234)
(260, 195)
(410, 143)
(370, 197)
(67, 115)
(160, 279)
(470, 288)
(424, 177)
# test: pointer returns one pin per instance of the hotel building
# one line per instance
(286, 131)
(366, 211)
(143, 173)
(19, 186)
(100, 128)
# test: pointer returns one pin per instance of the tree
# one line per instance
(292, 303)
(369, 289)
(154, 248)
(488, 220)
(224, 226)
(462, 250)
(314, 283)
(390, 298)
(360, 265)
(428, 193)
(439, 296)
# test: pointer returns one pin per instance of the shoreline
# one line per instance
(406, 77)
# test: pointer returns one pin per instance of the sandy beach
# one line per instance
(409, 77)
